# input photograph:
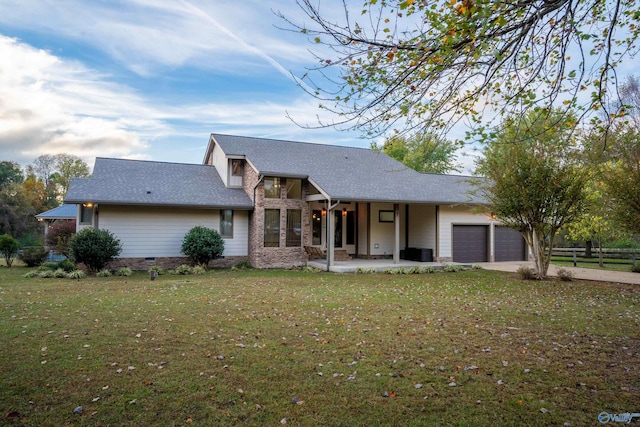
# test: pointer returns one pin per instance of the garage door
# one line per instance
(509, 245)
(470, 243)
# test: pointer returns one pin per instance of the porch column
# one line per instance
(330, 235)
(396, 240)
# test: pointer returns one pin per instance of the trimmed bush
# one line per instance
(564, 275)
(635, 268)
(182, 270)
(103, 273)
(9, 248)
(94, 248)
(202, 244)
(33, 257)
(124, 272)
(76, 274)
(198, 269)
(527, 273)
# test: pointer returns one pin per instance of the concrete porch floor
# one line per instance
(378, 264)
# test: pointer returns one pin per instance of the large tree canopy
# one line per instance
(411, 65)
(423, 152)
(535, 180)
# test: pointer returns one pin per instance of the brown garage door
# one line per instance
(470, 243)
(509, 245)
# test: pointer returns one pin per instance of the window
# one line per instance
(226, 223)
(236, 167)
(294, 188)
(271, 228)
(272, 188)
(294, 227)
(316, 227)
(235, 173)
(86, 213)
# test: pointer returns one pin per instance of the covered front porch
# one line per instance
(379, 265)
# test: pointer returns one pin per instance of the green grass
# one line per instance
(614, 264)
(259, 347)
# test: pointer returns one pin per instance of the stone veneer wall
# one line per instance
(282, 256)
(170, 262)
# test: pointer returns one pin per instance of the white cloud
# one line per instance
(51, 106)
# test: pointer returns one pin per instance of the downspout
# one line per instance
(329, 239)
(252, 219)
(255, 187)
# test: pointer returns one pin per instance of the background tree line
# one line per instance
(39, 187)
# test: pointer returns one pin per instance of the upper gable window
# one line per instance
(294, 188)
(236, 167)
(272, 188)
(236, 170)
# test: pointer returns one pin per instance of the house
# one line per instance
(273, 201)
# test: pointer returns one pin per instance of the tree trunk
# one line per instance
(587, 249)
(600, 255)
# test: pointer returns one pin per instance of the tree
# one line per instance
(423, 153)
(56, 172)
(202, 244)
(415, 64)
(596, 223)
(59, 236)
(17, 214)
(9, 248)
(618, 156)
(69, 166)
(535, 180)
(94, 248)
(10, 173)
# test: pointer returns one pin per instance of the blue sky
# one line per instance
(149, 79)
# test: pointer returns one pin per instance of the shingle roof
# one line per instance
(61, 212)
(136, 182)
(347, 173)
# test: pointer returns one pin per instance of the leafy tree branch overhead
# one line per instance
(412, 65)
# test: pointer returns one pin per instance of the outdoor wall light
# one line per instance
(344, 212)
(324, 211)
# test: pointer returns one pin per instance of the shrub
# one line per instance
(59, 236)
(450, 268)
(364, 270)
(564, 275)
(182, 270)
(103, 273)
(198, 269)
(242, 265)
(46, 274)
(76, 274)
(124, 272)
(33, 257)
(94, 248)
(157, 269)
(427, 270)
(477, 267)
(31, 274)
(202, 244)
(59, 273)
(635, 268)
(66, 264)
(9, 248)
(526, 273)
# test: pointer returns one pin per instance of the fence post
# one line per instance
(575, 261)
(633, 259)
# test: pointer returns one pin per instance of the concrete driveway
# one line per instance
(578, 273)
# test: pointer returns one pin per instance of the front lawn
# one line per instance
(477, 348)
